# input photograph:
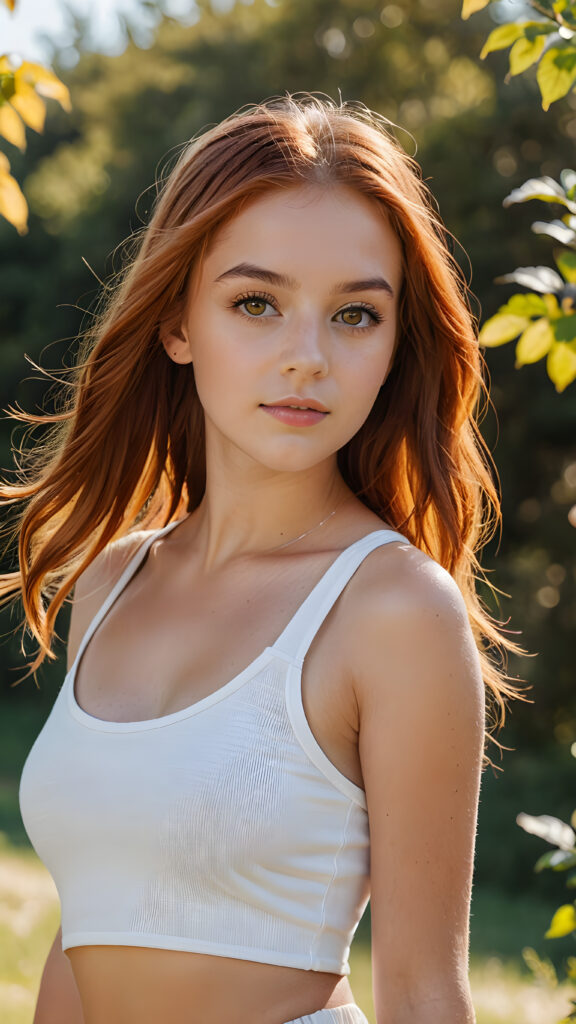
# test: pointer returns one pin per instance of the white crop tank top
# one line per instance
(222, 828)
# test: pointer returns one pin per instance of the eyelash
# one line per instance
(377, 317)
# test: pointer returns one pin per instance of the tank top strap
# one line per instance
(296, 638)
(118, 587)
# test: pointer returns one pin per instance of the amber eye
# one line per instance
(352, 316)
(255, 306)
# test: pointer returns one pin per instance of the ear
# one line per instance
(176, 341)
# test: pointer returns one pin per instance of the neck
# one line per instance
(263, 521)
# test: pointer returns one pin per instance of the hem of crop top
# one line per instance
(176, 942)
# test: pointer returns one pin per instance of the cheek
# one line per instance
(364, 378)
(225, 372)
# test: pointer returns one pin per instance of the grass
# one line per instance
(504, 991)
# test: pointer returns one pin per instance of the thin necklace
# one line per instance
(305, 534)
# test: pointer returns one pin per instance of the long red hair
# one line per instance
(126, 448)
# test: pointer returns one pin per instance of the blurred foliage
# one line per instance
(90, 181)
(22, 88)
(563, 858)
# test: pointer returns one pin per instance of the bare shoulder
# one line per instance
(95, 583)
(406, 610)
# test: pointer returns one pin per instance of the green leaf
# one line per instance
(562, 860)
(566, 263)
(538, 28)
(556, 73)
(534, 343)
(571, 884)
(563, 922)
(525, 304)
(524, 53)
(502, 37)
(7, 85)
(471, 6)
(501, 328)
(561, 365)
(565, 328)
(547, 859)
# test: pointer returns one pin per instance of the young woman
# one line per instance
(267, 489)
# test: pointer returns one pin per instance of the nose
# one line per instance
(304, 350)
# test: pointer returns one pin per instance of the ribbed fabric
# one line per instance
(348, 1013)
(222, 828)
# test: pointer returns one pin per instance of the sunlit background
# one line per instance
(37, 27)
(145, 77)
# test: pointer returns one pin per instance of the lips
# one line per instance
(294, 400)
(295, 417)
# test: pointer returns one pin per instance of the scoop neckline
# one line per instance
(107, 725)
(266, 655)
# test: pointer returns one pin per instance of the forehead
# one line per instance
(309, 224)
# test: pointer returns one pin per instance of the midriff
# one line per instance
(134, 985)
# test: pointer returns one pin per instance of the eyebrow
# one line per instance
(283, 281)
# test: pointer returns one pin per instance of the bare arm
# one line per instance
(58, 999)
(421, 701)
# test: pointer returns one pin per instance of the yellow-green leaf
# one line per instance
(502, 328)
(556, 73)
(471, 6)
(561, 368)
(13, 205)
(502, 37)
(11, 127)
(525, 304)
(525, 52)
(563, 922)
(566, 263)
(552, 307)
(29, 105)
(534, 342)
(45, 82)
(571, 967)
